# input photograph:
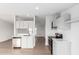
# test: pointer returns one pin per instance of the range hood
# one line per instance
(52, 26)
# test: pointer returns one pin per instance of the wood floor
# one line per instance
(39, 49)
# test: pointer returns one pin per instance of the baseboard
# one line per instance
(17, 47)
(26, 48)
(5, 40)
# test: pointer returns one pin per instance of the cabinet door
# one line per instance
(17, 24)
(24, 42)
(30, 42)
(22, 24)
(62, 48)
(27, 42)
(53, 47)
(26, 25)
(75, 38)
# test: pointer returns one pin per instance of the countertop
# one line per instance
(59, 40)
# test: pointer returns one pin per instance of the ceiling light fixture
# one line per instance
(37, 8)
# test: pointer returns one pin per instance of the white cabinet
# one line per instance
(17, 24)
(24, 27)
(24, 24)
(61, 22)
(30, 42)
(27, 42)
(21, 24)
(61, 47)
(24, 42)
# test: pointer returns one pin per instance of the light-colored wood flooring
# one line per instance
(39, 49)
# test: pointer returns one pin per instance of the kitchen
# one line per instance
(24, 32)
(59, 29)
(61, 24)
(66, 24)
(56, 38)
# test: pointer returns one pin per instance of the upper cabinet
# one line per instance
(17, 24)
(24, 25)
(61, 21)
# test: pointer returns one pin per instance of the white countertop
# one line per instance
(54, 39)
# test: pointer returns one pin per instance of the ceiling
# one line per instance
(9, 10)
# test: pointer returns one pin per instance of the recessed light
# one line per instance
(37, 8)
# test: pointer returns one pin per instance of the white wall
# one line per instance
(6, 30)
(75, 38)
(74, 31)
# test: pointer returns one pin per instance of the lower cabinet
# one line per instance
(23, 42)
(27, 42)
(16, 42)
(61, 47)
